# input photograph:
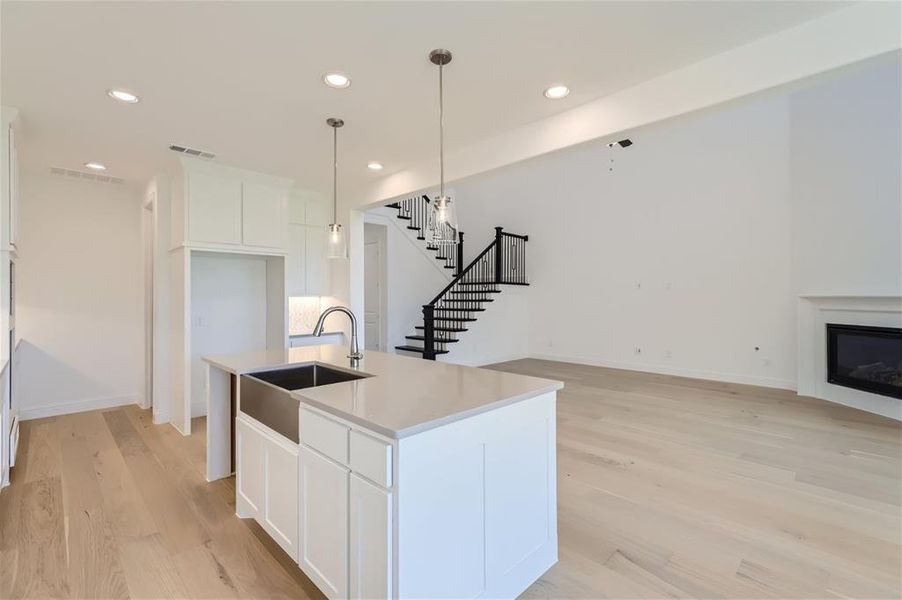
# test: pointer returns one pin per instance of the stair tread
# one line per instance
(403, 217)
(470, 293)
(438, 339)
(470, 300)
(444, 329)
(393, 205)
(442, 309)
(418, 349)
(454, 319)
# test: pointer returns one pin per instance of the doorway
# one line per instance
(374, 286)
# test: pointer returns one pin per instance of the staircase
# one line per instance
(502, 262)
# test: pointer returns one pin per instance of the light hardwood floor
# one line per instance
(668, 487)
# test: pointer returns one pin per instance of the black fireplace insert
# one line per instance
(865, 358)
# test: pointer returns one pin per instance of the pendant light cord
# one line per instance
(335, 175)
(441, 131)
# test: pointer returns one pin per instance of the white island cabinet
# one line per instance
(266, 486)
(417, 480)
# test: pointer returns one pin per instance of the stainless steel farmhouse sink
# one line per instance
(266, 395)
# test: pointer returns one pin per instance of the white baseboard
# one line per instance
(769, 382)
(481, 362)
(68, 408)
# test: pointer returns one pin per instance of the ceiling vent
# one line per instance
(85, 175)
(192, 152)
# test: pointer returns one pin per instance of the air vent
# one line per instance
(192, 152)
(85, 175)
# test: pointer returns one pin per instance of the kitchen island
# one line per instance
(405, 479)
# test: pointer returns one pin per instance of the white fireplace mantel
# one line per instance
(815, 311)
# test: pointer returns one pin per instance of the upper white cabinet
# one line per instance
(306, 264)
(220, 207)
(263, 215)
(295, 261)
(316, 277)
(309, 208)
(318, 211)
(214, 208)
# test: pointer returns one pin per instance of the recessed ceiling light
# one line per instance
(336, 80)
(374, 166)
(556, 92)
(96, 166)
(123, 96)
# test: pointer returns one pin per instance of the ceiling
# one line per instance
(243, 79)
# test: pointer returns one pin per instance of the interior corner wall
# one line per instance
(79, 297)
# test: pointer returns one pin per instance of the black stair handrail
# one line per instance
(508, 257)
(418, 215)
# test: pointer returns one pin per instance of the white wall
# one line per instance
(80, 296)
(846, 168)
(674, 261)
(228, 312)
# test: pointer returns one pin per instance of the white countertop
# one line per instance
(402, 395)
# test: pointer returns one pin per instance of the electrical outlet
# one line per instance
(637, 350)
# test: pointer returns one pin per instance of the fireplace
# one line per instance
(865, 358)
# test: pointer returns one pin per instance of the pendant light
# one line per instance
(336, 245)
(443, 225)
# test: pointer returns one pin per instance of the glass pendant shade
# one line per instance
(336, 242)
(443, 221)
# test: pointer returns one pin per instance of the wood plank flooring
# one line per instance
(668, 487)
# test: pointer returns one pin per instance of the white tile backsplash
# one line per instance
(303, 313)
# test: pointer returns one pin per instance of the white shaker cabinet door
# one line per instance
(295, 261)
(371, 540)
(264, 213)
(214, 208)
(297, 208)
(280, 514)
(250, 450)
(316, 264)
(323, 538)
(318, 211)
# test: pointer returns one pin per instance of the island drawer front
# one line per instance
(324, 435)
(371, 458)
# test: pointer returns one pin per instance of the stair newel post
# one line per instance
(460, 253)
(499, 259)
(428, 332)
